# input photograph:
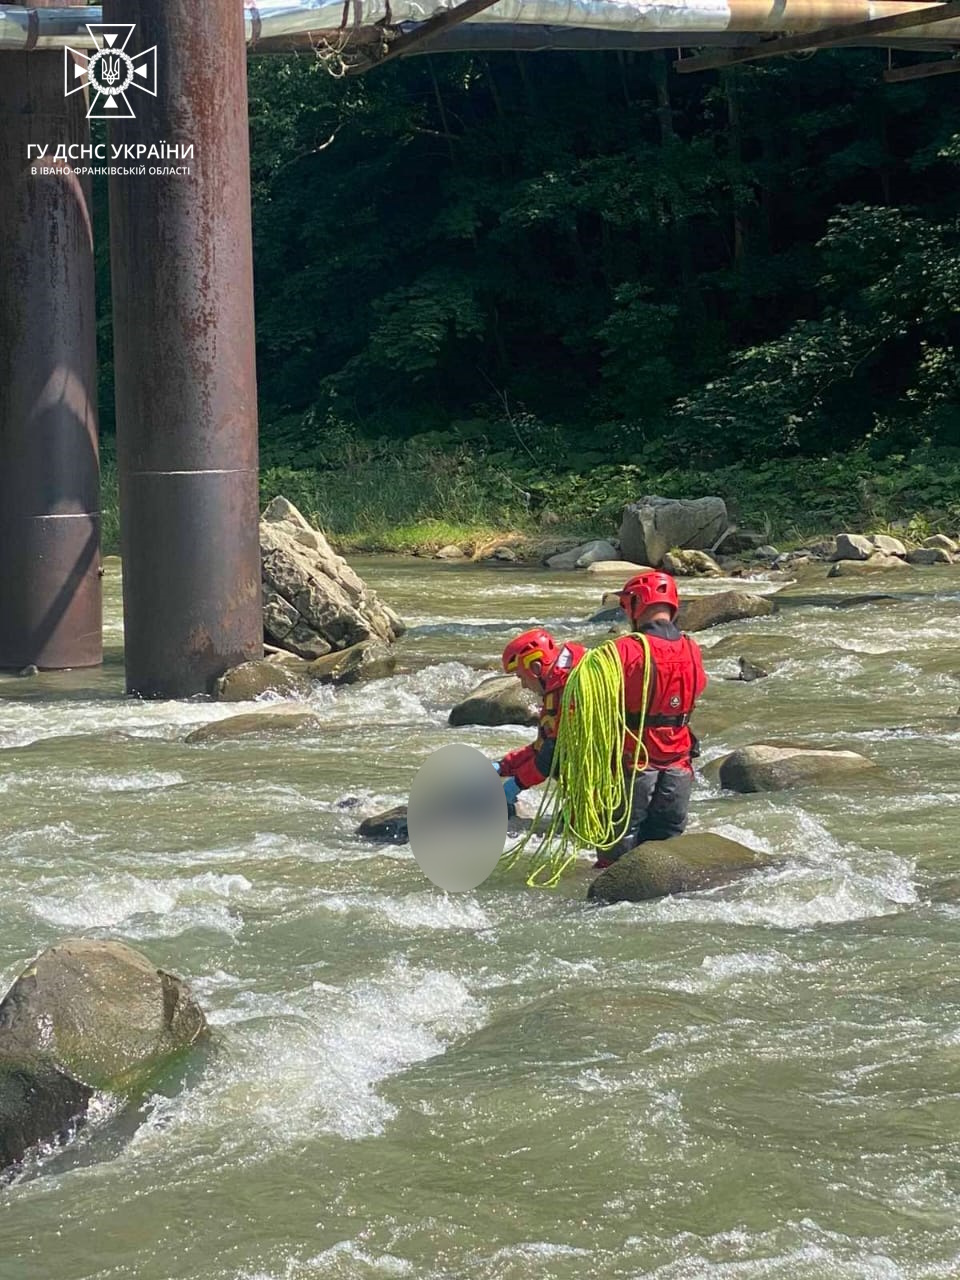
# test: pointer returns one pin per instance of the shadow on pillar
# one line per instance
(50, 595)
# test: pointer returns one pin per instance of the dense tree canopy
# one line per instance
(757, 263)
(560, 262)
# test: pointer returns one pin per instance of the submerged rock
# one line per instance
(680, 865)
(652, 526)
(501, 700)
(275, 720)
(84, 1016)
(386, 828)
(823, 600)
(878, 563)
(750, 671)
(699, 612)
(390, 827)
(773, 767)
(252, 679)
(606, 615)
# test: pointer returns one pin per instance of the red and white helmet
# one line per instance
(532, 646)
(647, 589)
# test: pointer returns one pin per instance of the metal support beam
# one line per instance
(50, 598)
(182, 267)
(922, 71)
(826, 37)
(413, 41)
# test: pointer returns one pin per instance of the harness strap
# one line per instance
(657, 722)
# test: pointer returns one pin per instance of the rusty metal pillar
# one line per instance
(50, 598)
(182, 266)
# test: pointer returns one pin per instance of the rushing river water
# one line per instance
(759, 1081)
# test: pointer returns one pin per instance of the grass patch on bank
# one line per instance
(409, 497)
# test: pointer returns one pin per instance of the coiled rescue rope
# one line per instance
(593, 793)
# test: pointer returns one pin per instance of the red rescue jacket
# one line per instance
(531, 765)
(677, 680)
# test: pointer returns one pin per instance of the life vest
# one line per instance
(677, 679)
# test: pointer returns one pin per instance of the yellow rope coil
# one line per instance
(594, 796)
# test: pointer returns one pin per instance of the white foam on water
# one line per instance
(123, 901)
(427, 910)
(823, 881)
(148, 780)
(345, 1260)
(277, 1081)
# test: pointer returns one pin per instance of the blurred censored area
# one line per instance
(457, 818)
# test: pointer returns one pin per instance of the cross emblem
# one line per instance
(110, 71)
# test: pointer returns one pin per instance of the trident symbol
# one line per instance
(110, 70)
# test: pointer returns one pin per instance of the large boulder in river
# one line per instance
(85, 1016)
(683, 864)
(853, 546)
(313, 602)
(699, 612)
(652, 526)
(774, 767)
(501, 700)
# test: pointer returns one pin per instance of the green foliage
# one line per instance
(489, 284)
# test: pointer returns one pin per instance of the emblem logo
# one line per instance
(675, 700)
(110, 71)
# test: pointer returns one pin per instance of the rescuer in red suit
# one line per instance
(662, 786)
(544, 667)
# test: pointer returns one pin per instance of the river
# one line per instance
(757, 1081)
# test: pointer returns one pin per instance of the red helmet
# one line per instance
(532, 646)
(647, 589)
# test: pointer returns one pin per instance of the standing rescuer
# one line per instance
(543, 666)
(664, 773)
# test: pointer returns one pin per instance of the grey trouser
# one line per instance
(661, 798)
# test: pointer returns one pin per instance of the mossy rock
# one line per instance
(85, 1015)
(683, 864)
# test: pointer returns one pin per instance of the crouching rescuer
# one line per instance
(621, 767)
(543, 666)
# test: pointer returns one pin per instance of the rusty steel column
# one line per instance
(50, 598)
(182, 266)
